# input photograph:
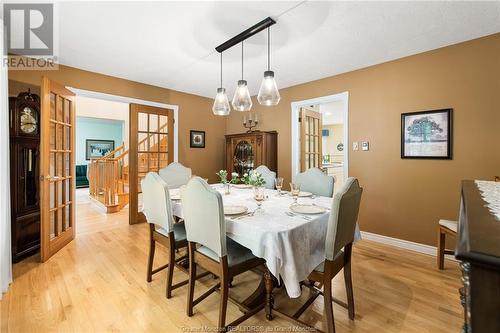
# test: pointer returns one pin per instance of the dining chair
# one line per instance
(211, 249)
(445, 227)
(268, 175)
(162, 229)
(338, 253)
(175, 175)
(315, 181)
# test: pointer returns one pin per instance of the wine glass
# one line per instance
(295, 190)
(259, 196)
(279, 184)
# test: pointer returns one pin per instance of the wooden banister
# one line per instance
(108, 175)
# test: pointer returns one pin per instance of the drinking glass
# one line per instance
(259, 196)
(295, 190)
(279, 184)
(227, 188)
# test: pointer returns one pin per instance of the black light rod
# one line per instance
(265, 23)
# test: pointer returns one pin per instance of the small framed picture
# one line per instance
(427, 134)
(197, 139)
(98, 148)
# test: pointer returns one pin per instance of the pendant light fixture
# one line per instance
(242, 100)
(268, 92)
(221, 103)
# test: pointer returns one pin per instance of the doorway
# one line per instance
(144, 137)
(320, 136)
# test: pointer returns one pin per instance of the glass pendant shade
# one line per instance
(242, 100)
(221, 103)
(268, 92)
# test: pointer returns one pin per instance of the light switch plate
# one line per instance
(355, 145)
(365, 145)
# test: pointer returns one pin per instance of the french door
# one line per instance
(311, 126)
(57, 167)
(151, 148)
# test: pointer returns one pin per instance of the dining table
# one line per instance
(292, 244)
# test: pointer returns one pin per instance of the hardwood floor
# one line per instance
(98, 283)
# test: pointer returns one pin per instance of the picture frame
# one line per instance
(196, 139)
(427, 134)
(95, 148)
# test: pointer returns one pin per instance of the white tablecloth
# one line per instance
(291, 246)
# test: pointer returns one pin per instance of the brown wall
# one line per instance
(405, 198)
(194, 111)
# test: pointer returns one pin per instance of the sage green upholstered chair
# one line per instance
(210, 248)
(175, 175)
(162, 229)
(338, 251)
(268, 175)
(315, 181)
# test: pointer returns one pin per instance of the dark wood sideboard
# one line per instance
(478, 249)
(245, 151)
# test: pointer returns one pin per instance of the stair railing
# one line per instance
(108, 175)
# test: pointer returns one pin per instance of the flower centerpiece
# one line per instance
(222, 176)
(253, 178)
(226, 183)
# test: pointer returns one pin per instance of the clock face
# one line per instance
(29, 121)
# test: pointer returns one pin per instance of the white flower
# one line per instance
(245, 174)
(234, 174)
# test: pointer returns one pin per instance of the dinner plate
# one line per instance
(242, 185)
(235, 210)
(302, 194)
(307, 209)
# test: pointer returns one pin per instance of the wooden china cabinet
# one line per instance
(24, 123)
(246, 151)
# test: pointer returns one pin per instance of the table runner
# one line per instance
(490, 192)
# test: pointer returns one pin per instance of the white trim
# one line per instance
(344, 96)
(403, 244)
(128, 100)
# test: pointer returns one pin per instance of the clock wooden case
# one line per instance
(24, 116)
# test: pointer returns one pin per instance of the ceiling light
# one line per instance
(268, 92)
(242, 100)
(221, 103)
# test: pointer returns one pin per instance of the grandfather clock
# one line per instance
(24, 170)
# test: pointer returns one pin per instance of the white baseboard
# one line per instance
(404, 244)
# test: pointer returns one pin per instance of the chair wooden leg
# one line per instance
(348, 286)
(192, 279)
(327, 292)
(170, 268)
(224, 295)
(152, 243)
(440, 249)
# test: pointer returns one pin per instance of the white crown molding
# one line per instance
(403, 244)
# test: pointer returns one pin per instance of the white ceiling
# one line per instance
(171, 44)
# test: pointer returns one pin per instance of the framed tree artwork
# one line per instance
(197, 139)
(427, 134)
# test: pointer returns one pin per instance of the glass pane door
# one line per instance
(151, 149)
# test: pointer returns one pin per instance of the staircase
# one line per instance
(108, 180)
(109, 175)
